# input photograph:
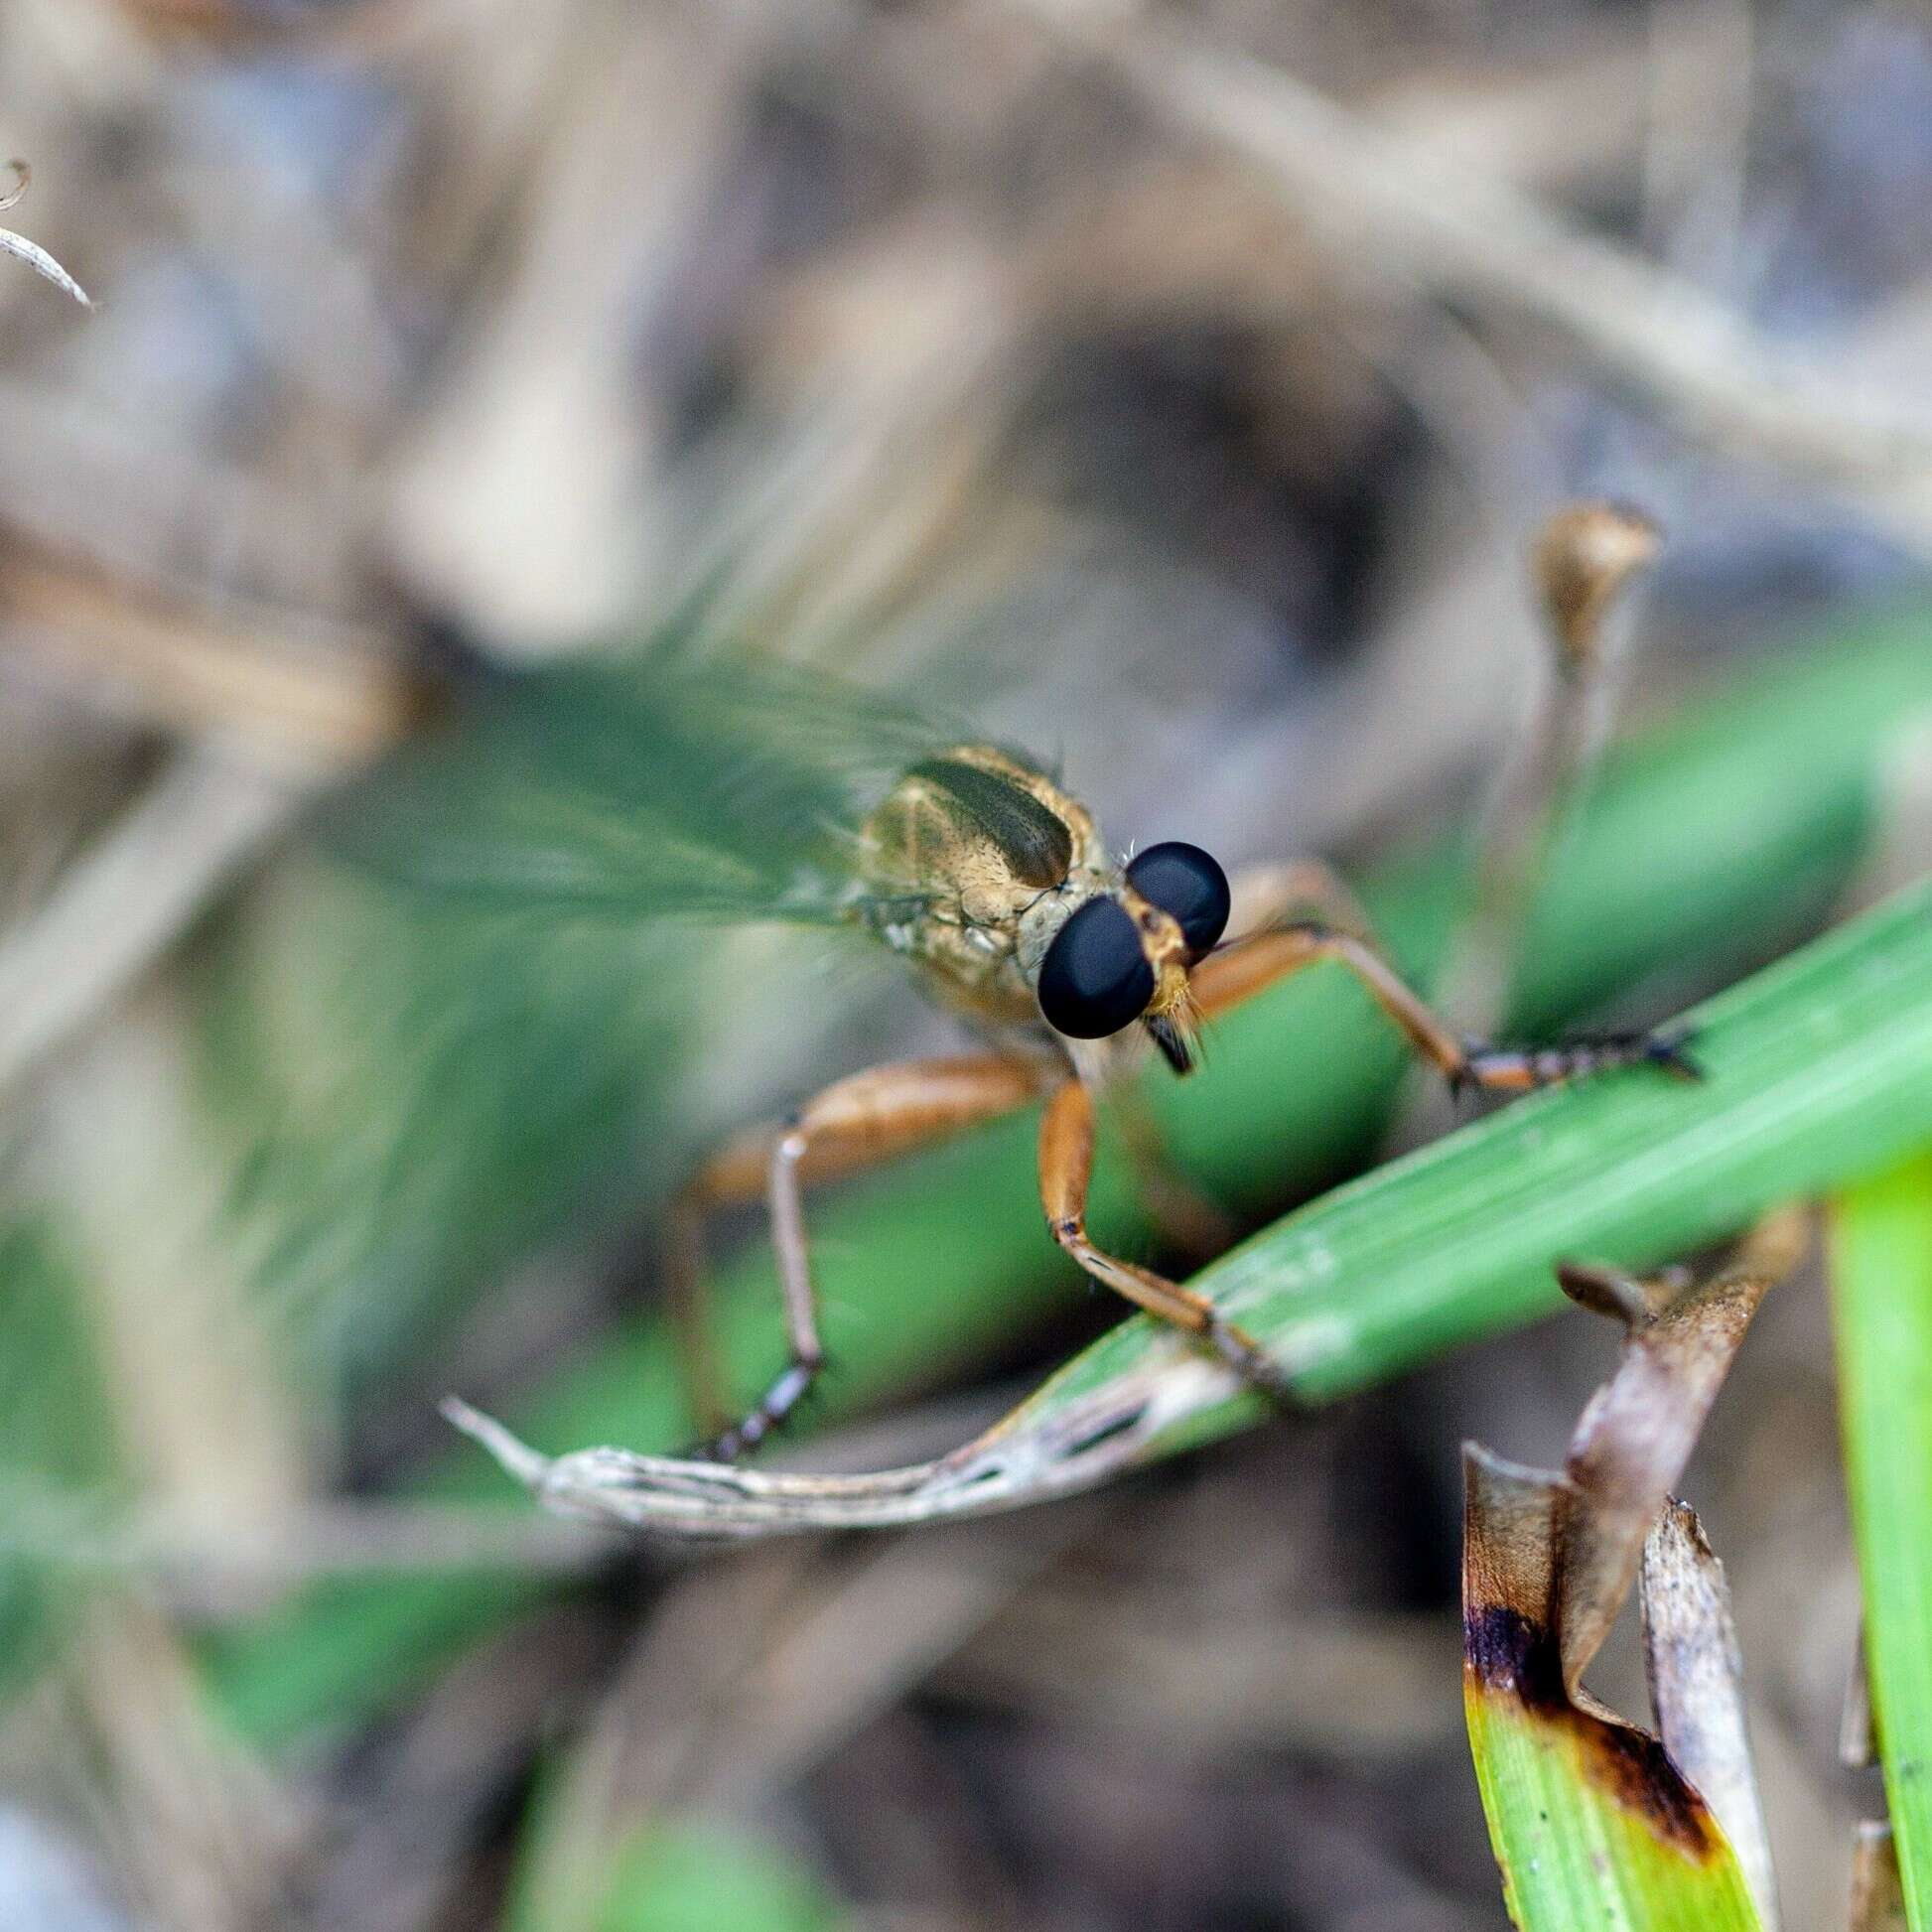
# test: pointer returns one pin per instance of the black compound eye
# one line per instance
(1095, 979)
(1188, 886)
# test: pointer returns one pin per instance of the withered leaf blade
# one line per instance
(1592, 1819)
(1509, 1539)
(1877, 1891)
(1638, 1430)
(1696, 1677)
(1061, 1453)
(1581, 1805)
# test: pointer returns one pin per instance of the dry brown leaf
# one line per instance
(1696, 1677)
(1636, 1433)
(1551, 1556)
(1877, 1893)
(1510, 1519)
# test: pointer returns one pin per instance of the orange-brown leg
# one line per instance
(1266, 896)
(1269, 897)
(855, 1122)
(1228, 977)
(1067, 1135)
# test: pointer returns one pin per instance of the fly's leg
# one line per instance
(1263, 899)
(1067, 1133)
(1586, 558)
(1228, 977)
(1266, 896)
(853, 1124)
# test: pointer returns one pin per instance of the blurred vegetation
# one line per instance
(1180, 406)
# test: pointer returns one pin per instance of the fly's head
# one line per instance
(1127, 954)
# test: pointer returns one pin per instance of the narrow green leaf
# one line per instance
(695, 1877)
(1882, 1274)
(58, 1439)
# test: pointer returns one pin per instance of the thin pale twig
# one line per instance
(31, 253)
(1014, 1463)
(202, 1558)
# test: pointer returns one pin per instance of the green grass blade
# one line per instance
(684, 1875)
(1575, 1857)
(58, 1439)
(1713, 839)
(1818, 1071)
(1882, 1276)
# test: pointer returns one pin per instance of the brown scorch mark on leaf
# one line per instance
(1511, 1652)
(1635, 1768)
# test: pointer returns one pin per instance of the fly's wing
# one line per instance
(720, 789)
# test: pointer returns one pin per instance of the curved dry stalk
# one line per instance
(1673, 1362)
(1022, 1460)
(31, 253)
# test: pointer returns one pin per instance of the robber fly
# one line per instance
(701, 788)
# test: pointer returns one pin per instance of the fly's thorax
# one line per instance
(972, 864)
(979, 834)
(975, 864)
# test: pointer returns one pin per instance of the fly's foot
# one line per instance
(784, 1395)
(1249, 1360)
(1498, 1069)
